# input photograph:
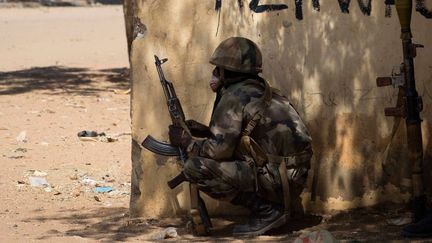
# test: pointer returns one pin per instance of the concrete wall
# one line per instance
(326, 64)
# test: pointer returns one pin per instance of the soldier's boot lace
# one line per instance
(265, 215)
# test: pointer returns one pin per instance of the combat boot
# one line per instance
(422, 228)
(265, 215)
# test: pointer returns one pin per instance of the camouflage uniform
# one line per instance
(220, 172)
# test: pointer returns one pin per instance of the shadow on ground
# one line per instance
(105, 223)
(114, 224)
(63, 80)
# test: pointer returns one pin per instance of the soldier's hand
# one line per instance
(198, 129)
(179, 137)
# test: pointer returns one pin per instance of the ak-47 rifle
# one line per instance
(200, 220)
(409, 106)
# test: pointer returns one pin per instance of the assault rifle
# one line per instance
(409, 106)
(200, 220)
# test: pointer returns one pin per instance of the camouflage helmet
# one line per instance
(238, 54)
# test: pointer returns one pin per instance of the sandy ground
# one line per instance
(59, 68)
(73, 37)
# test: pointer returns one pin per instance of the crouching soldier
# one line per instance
(256, 151)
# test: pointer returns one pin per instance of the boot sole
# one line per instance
(277, 223)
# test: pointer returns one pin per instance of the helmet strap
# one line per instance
(222, 75)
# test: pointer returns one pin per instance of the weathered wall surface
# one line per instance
(327, 64)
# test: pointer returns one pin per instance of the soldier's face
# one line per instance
(215, 80)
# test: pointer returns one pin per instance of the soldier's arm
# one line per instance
(225, 128)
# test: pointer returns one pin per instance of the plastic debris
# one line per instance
(169, 232)
(38, 173)
(399, 221)
(320, 236)
(94, 136)
(103, 189)
(38, 181)
(22, 137)
(89, 182)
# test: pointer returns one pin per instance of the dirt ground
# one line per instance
(62, 71)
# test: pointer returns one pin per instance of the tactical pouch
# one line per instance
(248, 149)
(296, 160)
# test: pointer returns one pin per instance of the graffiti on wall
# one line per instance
(365, 7)
(421, 8)
(255, 6)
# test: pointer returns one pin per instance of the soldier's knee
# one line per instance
(192, 168)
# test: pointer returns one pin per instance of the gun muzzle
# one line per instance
(384, 81)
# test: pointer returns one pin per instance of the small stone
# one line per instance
(22, 137)
(73, 177)
(57, 193)
(22, 150)
(87, 163)
(53, 231)
(76, 193)
(15, 226)
(49, 111)
(97, 198)
(21, 182)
